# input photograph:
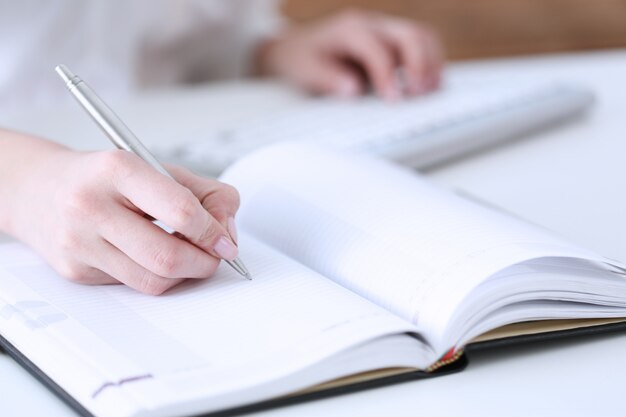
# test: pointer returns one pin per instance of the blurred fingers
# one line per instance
(434, 57)
(357, 42)
(435, 52)
(419, 53)
(330, 76)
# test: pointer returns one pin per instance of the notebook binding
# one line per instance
(446, 359)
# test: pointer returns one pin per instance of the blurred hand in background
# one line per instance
(347, 53)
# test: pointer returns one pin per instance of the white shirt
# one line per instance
(123, 45)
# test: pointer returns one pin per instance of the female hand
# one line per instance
(89, 215)
(341, 54)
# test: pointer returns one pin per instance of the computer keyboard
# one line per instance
(420, 132)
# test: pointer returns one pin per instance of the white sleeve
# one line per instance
(192, 41)
(120, 45)
(258, 20)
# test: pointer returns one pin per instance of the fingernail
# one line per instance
(347, 88)
(225, 249)
(232, 229)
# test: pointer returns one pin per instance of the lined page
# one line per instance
(381, 230)
(225, 331)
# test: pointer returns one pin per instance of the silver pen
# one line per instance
(120, 134)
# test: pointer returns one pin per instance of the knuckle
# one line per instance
(77, 201)
(68, 241)
(182, 171)
(117, 161)
(112, 159)
(73, 272)
(152, 285)
(184, 210)
(167, 262)
(231, 194)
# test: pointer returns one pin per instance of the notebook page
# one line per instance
(226, 332)
(381, 230)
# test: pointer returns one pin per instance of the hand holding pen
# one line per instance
(96, 212)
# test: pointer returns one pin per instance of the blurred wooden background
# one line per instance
(482, 28)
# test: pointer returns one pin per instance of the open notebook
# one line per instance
(362, 270)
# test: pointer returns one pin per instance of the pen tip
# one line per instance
(238, 266)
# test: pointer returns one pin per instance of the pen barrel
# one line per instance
(111, 124)
(120, 135)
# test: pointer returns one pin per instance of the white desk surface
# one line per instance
(571, 179)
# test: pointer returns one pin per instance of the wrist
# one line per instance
(28, 167)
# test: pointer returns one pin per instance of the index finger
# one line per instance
(173, 204)
(218, 198)
(365, 47)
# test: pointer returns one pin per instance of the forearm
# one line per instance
(22, 159)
